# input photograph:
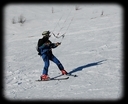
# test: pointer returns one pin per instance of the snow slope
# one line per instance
(91, 49)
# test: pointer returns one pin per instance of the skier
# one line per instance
(45, 51)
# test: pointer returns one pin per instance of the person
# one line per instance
(45, 51)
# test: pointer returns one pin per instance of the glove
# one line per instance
(58, 43)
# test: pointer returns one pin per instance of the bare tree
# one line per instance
(21, 19)
(13, 20)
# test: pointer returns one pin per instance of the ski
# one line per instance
(74, 75)
(63, 78)
(54, 79)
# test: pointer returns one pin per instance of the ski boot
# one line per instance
(44, 77)
(64, 72)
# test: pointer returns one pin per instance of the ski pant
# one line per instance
(46, 58)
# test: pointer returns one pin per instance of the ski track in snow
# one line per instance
(91, 49)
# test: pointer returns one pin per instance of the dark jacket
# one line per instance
(45, 45)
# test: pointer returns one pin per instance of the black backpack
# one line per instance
(40, 43)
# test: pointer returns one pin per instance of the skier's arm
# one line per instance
(54, 45)
(58, 43)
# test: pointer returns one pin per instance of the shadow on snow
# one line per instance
(81, 67)
(85, 66)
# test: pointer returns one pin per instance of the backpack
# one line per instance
(40, 43)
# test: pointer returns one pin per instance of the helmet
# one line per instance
(46, 33)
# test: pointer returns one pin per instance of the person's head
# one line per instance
(46, 34)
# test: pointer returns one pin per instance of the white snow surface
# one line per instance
(92, 49)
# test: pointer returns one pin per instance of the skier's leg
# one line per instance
(57, 62)
(46, 64)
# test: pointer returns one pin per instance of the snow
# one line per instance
(91, 49)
